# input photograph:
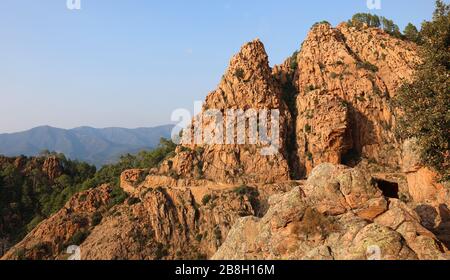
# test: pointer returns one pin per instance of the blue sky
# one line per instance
(130, 63)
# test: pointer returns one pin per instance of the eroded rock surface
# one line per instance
(233, 202)
(69, 226)
(338, 214)
(343, 81)
(249, 86)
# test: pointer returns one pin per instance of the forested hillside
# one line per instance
(33, 188)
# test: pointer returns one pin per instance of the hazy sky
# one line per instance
(130, 63)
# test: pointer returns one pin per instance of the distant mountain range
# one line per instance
(92, 145)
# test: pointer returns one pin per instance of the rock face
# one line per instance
(155, 223)
(338, 214)
(247, 85)
(166, 224)
(334, 98)
(342, 81)
(233, 201)
(69, 226)
(431, 198)
(26, 183)
(423, 183)
(52, 167)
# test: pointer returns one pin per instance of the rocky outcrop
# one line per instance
(338, 214)
(423, 183)
(324, 130)
(342, 82)
(131, 179)
(334, 98)
(69, 226)
(28, 188)
(166, 224)
(52, 167)
(154, 223)
(247, 85)
(233, 201)
(431, 198)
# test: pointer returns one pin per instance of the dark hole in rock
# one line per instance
(389, 189)
(351, 158)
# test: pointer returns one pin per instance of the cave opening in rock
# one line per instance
(389, 189)
(351, 158)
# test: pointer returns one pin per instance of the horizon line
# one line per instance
(87, 126)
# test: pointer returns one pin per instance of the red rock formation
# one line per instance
(52, 167)
(50, 239)
(344, 84)
(248, 84)
(334, 99)
(337, 215)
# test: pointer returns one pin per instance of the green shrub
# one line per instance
(309, 114)
(42, 248)
(184, 149)
(309, 88)
(80, 220)
(96, 219)
(199, 151)
(251, 193)
(79, 237)
(321, 22)
(217, 233)
(36, 220)
(133, 201)
(333, 75)
(173, 174)
(367, 65)
(344, 104)
(241, 190)
(294, 61)
(199, 237)
(117, 196)
(239, 73)
(206, 199)
(308, 128)
(82, 197)
(360, 98)
(161, 251)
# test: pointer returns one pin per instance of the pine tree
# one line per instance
(411, 33)
(390, 27)
(369, 19)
